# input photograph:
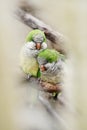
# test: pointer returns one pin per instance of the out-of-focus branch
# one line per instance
(57, 39)
(52, 112)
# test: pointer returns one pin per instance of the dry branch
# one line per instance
(57, 39)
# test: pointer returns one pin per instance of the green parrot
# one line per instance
(35, 42)
(51, 65)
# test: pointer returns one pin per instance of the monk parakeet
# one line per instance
(35, 42)
(51, 63)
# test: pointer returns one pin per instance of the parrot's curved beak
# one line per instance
(38, 46)
(42, 68)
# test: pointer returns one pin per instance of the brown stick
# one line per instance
(57, 39)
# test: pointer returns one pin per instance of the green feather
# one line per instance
(50, 55)
(34, 32)
(38, 73)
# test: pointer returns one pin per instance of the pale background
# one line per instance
(68, 17)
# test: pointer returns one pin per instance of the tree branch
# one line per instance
(52, 112)
(57, 39)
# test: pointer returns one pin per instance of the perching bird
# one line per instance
(51, 64)
(35, 42)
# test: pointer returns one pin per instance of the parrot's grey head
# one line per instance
(44, 64)
(39, 41)
(47, 67)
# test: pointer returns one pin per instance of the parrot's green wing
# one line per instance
(34, 32)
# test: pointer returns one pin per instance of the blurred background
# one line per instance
(69, 17)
